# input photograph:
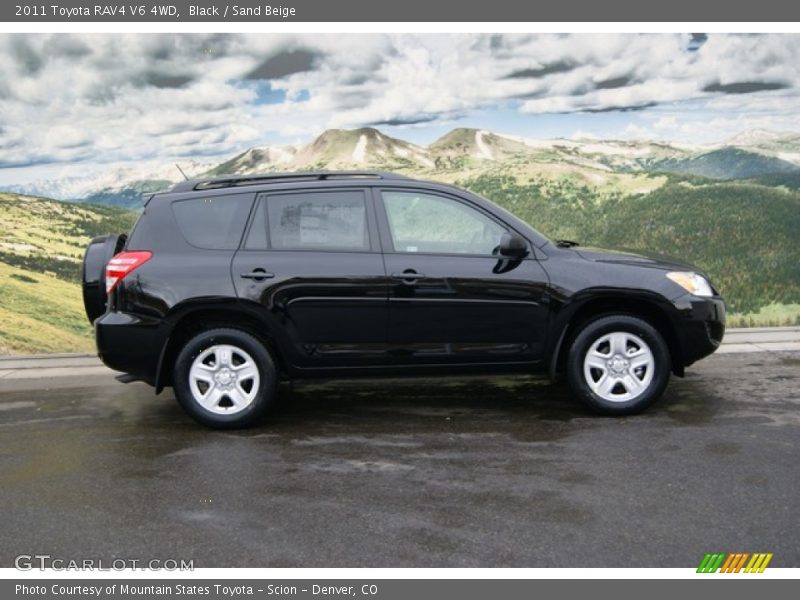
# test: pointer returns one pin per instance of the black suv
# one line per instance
(226, 286)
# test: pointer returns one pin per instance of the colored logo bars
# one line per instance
(734, 562)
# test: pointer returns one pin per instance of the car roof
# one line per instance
(230, 181)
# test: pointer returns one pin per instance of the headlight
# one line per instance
(692, 283)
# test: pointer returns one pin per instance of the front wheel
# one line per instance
(225, 378)
(618, 365)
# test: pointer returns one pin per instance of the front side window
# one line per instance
(335, 220)
(427, 223)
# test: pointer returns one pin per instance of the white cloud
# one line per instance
(636, 132)
(109, 98)
(666, 123)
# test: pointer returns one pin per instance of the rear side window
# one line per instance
(214, 223)
(335, 220)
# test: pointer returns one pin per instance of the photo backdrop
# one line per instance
(683, 145)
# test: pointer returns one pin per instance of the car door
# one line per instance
(311, 263)
(452, 298)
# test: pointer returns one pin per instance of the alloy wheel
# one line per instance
(619, 366)
(224, 379)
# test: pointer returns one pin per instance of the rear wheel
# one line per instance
(618, 365)
(225, 378)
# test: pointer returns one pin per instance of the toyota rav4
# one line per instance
(226, 286)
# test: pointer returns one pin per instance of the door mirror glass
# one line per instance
(513, 245)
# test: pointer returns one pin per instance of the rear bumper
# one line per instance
(700, 326)
(131, 344)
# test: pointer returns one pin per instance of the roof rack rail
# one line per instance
(227, 181)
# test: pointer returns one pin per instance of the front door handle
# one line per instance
(257, 275)
(408, 276)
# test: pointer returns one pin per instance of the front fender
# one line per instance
(570, 313)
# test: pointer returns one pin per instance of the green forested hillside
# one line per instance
(743, 234)
(725, 163)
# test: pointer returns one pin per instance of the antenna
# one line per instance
(182, 173)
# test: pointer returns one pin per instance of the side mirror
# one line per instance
(513, 245)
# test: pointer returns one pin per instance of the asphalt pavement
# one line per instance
(465, 472)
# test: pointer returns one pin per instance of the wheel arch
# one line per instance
(644, 305)
(189, 320)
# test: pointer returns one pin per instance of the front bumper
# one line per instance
(700, 326)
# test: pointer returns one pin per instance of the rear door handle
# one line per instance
(257, 275)
(408, 276)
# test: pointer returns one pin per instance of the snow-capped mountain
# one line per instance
(142, 177)
(463, 150)
(337, 148)
(759, 138)
(255, 160)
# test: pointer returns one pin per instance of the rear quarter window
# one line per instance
(215, 222)
(138, 232)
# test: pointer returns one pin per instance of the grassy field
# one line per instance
(41, 313)
(773, 315)
(41, 247)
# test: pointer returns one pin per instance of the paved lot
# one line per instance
(475, 472)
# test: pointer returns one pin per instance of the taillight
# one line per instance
(123, 264)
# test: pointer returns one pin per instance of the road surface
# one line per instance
(394, 473)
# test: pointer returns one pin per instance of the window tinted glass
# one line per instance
(215, 223)
(318, 220)
(426, 223)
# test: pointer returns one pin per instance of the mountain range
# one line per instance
(732, 209)
(629, 166)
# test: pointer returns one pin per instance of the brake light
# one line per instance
(123, 264)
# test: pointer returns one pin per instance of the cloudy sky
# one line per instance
(81, 102)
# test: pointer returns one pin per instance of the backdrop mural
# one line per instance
(684, 145)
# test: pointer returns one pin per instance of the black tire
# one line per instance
(264, 394)
(592, 333)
